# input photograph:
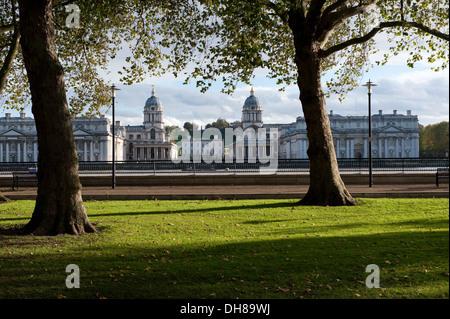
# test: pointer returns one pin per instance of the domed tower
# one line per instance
(153, 112)
(252, 112)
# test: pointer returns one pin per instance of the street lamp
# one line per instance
(113, 96)
(369, 93)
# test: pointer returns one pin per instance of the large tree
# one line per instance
(59, 207)
(297, 41)
(56, 55)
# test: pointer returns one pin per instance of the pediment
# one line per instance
(390, 129)
(81, 132)
(12, 133)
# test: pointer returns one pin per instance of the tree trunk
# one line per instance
(326, 186)
(59, 207)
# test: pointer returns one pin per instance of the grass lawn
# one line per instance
(234, 249)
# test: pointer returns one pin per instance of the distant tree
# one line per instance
(220, 124)
(434, 139)
(188, 126)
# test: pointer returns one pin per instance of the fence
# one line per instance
(283, 166)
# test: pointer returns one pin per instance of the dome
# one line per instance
(153, 101)
(252, 101)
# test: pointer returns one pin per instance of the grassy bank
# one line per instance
(234, 249)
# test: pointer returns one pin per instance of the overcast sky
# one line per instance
(421, 90)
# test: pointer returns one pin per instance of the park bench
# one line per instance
(441, 173)
(23, 177)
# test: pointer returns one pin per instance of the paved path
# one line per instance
(236, 192)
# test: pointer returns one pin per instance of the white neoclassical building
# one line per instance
(18, 140)
(394, 135)
(150, 141)
(93, 139)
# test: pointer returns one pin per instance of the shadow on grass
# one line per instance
(412, 265)
(199, 210)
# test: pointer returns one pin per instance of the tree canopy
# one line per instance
(205, 41)
(433, 139)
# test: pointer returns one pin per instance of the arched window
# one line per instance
(152, 134)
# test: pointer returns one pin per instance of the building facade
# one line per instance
(393, 136)
(149, 141)
(93, 139)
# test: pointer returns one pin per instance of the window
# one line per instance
(138, 137)
(131, 136)
(152, 134)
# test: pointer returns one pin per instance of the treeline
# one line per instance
(433, 140)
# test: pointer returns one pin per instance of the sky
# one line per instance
(421, 90)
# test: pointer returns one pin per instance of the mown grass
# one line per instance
(234, 249)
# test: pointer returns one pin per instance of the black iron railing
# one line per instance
(281, 166)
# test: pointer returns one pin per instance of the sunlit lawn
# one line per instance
(234, 249)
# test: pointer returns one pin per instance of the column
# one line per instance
(396, 147)
(288, 150)
(365, 142)
(352, 151)
(403, 146)
(338, 148)
(85, 151)
(35, 152)
(386, 153)
(379, 147)
(1, 151)
(24, 145)
(91, 150)
(304, 150)
(18, 159)
(347, 148)
(101, 151)
(7, 152)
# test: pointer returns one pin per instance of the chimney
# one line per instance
(8, 115)
(395, 112)
(408, 112)
(331, 112)
(22, 115)
(380, 112)
(117, 123)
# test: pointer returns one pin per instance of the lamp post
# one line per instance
(113, 96)
(369, 93)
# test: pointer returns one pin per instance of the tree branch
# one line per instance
(9, 58)
(280, 13)
(333, 7)
(374, 31)
(315, 10)
(334, 20)
(6, 28)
